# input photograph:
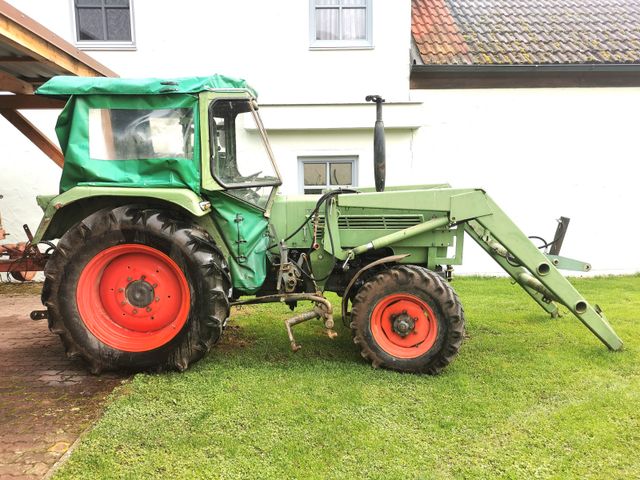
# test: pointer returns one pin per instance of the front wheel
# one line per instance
(137, 288)
(408, 319)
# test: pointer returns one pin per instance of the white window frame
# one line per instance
(102, 44)
(365, 44)
(328, 159)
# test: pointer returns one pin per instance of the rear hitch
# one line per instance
(322, 309)
(317, 312)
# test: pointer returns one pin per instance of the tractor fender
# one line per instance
(65, 210)
(380, 261)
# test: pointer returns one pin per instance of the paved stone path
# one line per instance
(46, 400)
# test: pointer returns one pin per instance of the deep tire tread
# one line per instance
(197, 251)
(417, 280)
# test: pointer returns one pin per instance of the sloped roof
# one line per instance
(526, 32)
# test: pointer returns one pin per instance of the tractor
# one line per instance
(169, 214)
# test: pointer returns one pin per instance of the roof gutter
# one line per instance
(525, 76)
(559, 67)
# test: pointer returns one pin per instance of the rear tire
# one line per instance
(138, 289)
(408, 319)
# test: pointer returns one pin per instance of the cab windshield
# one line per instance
(241, 159)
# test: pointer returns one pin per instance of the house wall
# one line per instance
(540, 153)
(265, 42)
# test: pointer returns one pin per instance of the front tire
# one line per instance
(137, 288)
(408, 319)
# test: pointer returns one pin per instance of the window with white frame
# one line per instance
(340, 23)
(321, 173)
(103, 23)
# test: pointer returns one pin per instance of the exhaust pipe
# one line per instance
(379, 154)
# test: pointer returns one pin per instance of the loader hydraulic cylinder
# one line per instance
(392, 238)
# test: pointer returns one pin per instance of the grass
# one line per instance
(528, 397)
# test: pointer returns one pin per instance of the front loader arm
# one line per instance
(534, 272)
(494, 231)
(474, 230)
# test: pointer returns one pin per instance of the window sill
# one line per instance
(341, 45)
(97, 46)
(341, 48)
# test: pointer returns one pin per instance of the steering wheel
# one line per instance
(253, 176)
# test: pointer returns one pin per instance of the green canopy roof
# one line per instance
(66, 86)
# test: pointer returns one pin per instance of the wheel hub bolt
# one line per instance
(140, 293)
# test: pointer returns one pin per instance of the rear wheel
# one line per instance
(409, 319)
(137, 288)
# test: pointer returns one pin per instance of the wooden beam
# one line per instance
(16, 59)
(38, 138)
(35, 81)
(23, 102)
(9, 83)
(32, 39)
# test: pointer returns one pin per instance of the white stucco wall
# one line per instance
(540, 153)
(265, 42)
(24, 173)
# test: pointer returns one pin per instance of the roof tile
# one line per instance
(506, 32)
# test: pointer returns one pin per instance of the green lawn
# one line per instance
(528, 397)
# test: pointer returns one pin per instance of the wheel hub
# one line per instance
(403, 324)
(133, 297)
(139, 293)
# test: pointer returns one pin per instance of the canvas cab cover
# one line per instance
(132, 132)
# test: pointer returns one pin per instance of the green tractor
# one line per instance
(169, 215)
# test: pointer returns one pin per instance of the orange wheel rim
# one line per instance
(404, 325)
(133, 297)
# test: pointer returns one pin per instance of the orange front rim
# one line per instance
(404, 325)
(133, 297)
